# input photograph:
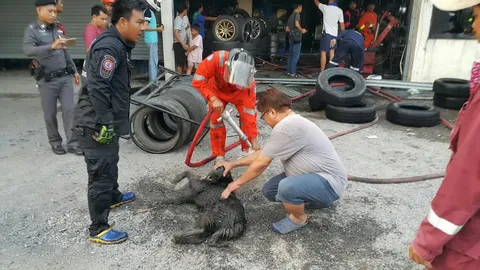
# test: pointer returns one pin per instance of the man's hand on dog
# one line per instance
(232, 187)
(227, 165)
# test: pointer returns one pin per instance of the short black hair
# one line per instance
(181, 8)
(97, 9)
(295, 6)
(196, 27)
(124, 8)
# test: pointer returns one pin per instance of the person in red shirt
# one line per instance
(227, 77)
(449, 237)
(96, 26)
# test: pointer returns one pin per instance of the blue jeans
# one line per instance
(293, 56)
(299, 189)
(152, 61)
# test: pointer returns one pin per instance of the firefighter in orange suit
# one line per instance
(449, 237)
(367, 24)
(228, 77)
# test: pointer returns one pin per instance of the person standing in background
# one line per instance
(54, 68)
(368, 25)
(199, 19)
(332, 17)
(180, 45)
(351, 16)
(195, 52)
(295, 29)
(151, 37)
(108, 4)
(96, 26)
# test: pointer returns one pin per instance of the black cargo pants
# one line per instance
(101, 160)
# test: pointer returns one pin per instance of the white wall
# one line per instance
(436, 58)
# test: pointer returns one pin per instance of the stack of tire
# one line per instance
(157, 132)
(344, 103)
(450, 93)
(239, 30)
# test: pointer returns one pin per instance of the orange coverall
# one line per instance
(209, 81)
(369, 17)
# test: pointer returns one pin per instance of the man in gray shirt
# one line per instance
(180, 44)
(314, 176)
(45, 42)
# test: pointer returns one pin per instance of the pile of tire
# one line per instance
(345, 103)
(239, 30)
(157, 132)
(450, 93)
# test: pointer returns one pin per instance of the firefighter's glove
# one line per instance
(106, 135)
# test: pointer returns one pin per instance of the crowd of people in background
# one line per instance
(339, 27)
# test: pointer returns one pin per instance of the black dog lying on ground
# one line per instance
(219, 219)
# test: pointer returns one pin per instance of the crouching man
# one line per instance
(314, 176)
(350, 46)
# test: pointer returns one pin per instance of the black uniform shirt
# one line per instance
(105, 95)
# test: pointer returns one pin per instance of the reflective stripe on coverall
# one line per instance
(208, 79)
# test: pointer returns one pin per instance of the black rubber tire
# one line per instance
(187, 86)
(227, 46)
(266, 24)
(359, 114)
(253, 21)
(237, 29)
(158, 128)
(143, 139)
(452, 87)
(240, 12)
(333, 95)
(446, 102)
(246, 34)
(315, 103)
(253, 47)
(412, 115)
(197, 109)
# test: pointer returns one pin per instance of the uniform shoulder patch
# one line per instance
(107, 66)
(210, 57)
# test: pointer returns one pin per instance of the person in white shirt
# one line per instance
(195, 52)
(332, 17)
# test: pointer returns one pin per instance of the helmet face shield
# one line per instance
(240, 74)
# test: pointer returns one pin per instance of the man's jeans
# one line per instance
(293, 55)
(153, 61)
(299, 189)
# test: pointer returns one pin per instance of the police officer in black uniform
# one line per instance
(102, 114)
(52, 67)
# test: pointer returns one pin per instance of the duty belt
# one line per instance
(56, 74)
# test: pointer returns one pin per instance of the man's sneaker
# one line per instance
(76, 150)
(127, 197)
(109, 236)
(59, 150)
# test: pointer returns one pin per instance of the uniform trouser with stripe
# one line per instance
(218, 132)
(102, 169)
(58, 89)
(345, 49)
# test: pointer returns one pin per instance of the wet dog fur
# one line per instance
(220, 220)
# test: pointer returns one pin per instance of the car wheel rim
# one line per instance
(225, 30)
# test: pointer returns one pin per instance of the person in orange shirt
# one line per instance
(368, 25)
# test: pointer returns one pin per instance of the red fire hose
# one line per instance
(351, 178)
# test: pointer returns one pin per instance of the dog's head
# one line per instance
(216, 177)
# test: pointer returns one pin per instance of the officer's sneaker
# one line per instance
(109, 236)
(127, 197)
(76, 150)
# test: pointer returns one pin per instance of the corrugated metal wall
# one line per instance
(16, 15)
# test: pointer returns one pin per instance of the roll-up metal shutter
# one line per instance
(16, 15)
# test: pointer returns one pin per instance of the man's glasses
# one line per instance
(263, 114)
